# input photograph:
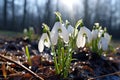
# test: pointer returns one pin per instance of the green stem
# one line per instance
(28, 55)
(55, 59)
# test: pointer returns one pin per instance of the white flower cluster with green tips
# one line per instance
(83, 36)
(63, 39)
(100, 39)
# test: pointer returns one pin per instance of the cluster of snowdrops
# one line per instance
(63, 39)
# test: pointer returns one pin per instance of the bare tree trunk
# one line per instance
(47, 12)
(97, 12)
(13, 14)
(5, 13)
(38, 10)
(57, 5)
(111, 17)
(38, 28)
(86, 13)
(24, 14)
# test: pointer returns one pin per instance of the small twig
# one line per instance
(31, 72)
(104, 75)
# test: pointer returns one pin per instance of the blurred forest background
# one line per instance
(19, 14)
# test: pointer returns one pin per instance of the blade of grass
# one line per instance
(28, 55)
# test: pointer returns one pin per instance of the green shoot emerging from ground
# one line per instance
(28, 55)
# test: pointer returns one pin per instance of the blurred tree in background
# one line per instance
(19, 14)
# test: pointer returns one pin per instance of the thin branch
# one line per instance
(31, 72)
(104, 75)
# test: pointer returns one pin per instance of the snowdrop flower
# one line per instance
(44, 40)
(70, 30)
(84, 36)
(96, 24)
(81, 40)
(84, 30)
(100, 33)
(25, 31)
(59, 30)
(103, 44)
(94, 33)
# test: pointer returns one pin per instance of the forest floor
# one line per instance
(15, 66)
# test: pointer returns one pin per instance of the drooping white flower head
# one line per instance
(81, 40)
(84, 36)
(84, 30)
(60, 30)
(103, 44)
(100, 32)
(94, 33)
(25, 31)
(44, 41)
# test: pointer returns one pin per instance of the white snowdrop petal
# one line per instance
(47, 43)
(82, 30)
(104, 44)
(64, 34)
(56, 26)
(40, 46)
(87, 32)
(94, 34)
(54, 33)
(81, 40)
(89, 35)
(54, 38)
(41, 43)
